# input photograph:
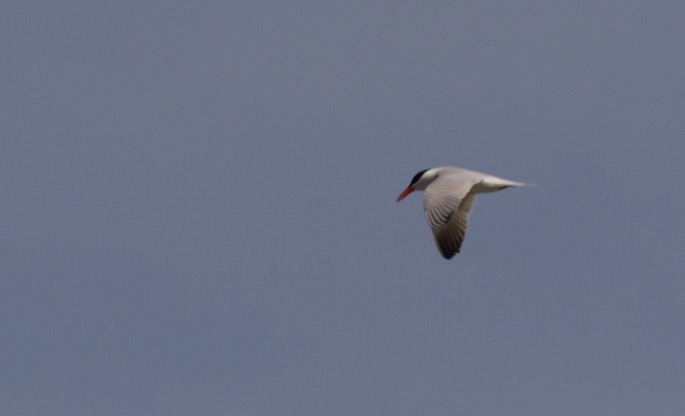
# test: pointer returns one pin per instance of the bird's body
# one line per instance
(449, 193)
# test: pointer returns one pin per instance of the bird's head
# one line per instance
(419, 182)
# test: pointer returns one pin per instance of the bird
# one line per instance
(448, 197)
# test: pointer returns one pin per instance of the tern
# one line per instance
(449, 193)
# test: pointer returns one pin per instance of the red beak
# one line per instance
(404, 193)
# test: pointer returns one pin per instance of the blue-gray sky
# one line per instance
(198, 208)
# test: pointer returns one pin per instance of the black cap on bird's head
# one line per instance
(409, 189)
(417, 177)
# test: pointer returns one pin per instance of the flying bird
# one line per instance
(448, 196)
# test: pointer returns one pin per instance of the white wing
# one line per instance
(447, 204)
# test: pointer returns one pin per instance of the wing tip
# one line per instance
(447, 251)
(448, 256)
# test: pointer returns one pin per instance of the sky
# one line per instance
(198, 208)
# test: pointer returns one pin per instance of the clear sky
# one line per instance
(198, 208)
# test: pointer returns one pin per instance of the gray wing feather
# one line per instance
(447, 205)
